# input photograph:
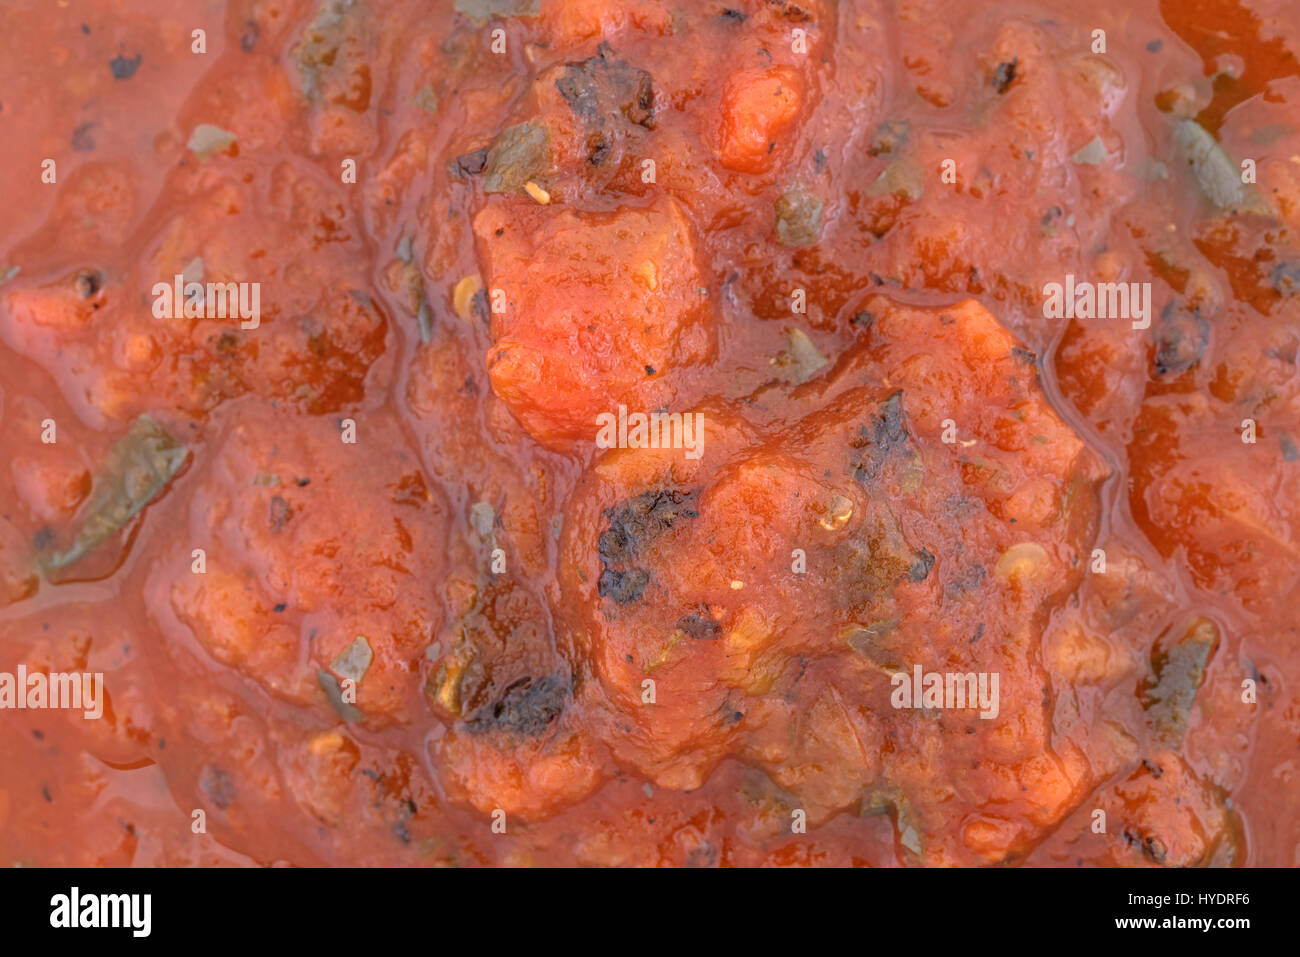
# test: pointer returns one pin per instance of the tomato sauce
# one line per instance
(595, 422)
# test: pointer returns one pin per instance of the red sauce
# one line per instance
(823, 236)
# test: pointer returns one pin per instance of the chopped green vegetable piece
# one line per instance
(330, 685)
(1177, 671)
(1216, 173)
(902, 178)
(208, 140)
(800, 360)
(890, 137)
(891, 800)
(354, 660)
(424, 321)
(426, 99)
(139, 467)
(482, 518)
(519, 155)
(798, 218)
(1151, 170)
(1091, 155)
(866, 641)
(405, 253)
(483, 9)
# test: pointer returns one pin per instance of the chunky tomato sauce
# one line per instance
(594, 423)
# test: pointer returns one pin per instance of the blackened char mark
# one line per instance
(640, 520)
(1286, 278)
(600, 87)
(920, 568)
(623, 587)
(791, 11)
(633, 525)
(887, 432)
(1181, 339)
(699, 624)
(1005, 75)
(526, 708)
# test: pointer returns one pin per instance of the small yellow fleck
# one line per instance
(325, 742)
(537, 193)
(462, 297)
(737, 584)
(1021, 561)
(648, 275)
(837, 515)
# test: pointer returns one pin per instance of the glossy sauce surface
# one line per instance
(946, 457)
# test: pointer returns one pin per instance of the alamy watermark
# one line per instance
(946, 690)
(63, 691)
(179, 299)
(651, 430)
(1102, 300)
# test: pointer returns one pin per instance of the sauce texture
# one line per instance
(596, 419)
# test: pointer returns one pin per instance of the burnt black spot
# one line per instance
(1154, 46)
(218, 786)
(863, 319)
(640, 520)
(280, 606)
(886, 433)
(1152, 847)
(599, 87)
(87, 283)
(622, 587)
(889, 137)
(699, 624)
(1024, 355)
(248, 39)
(632, 526)
(472, 163)
(735, 16)
(1005, 75)
(82, 141)
(889, 428)
(967, 581)
(280, 513)
(598, 146)
(123, 68)
(1286, 278)
(705, 855)
(791, 11)
(649, 370)
(526, 708)
(1181, 339)
(920, 569)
